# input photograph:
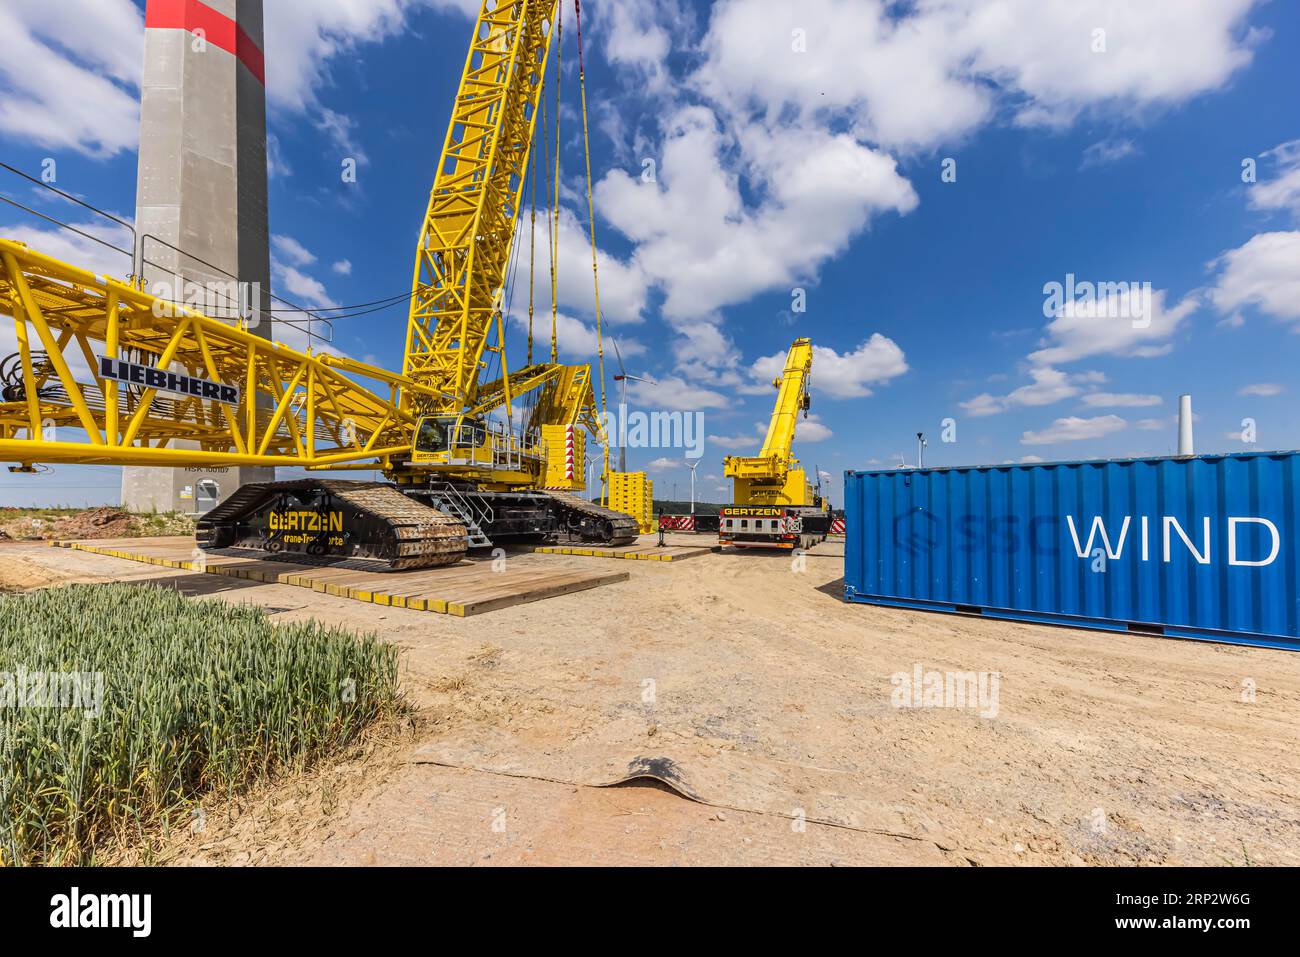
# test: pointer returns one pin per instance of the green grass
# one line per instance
(51, 513)
(151, 524)
(199, 698)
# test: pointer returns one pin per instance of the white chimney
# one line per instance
(1185, 446)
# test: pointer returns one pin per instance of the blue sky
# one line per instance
(796, 147)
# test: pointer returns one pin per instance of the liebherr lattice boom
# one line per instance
(160, 373)
(464, 248)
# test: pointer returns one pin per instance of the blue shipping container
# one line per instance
(1200, 547)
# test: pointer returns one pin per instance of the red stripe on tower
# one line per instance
(215, 28)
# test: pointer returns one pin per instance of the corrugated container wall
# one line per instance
(1199, 547)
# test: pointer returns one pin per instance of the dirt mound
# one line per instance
(105, 522)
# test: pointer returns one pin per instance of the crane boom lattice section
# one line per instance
(466, 237)
(172, 373)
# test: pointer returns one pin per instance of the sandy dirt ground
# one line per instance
(750, 686)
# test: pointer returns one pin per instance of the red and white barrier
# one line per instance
(677, 523)
(837, 526)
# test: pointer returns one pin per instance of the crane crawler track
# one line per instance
(594, 523)
(335, 520)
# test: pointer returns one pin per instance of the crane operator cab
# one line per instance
(453, 440)
(431, 434)
(471, 442)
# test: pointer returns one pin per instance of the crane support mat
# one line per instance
(645, 552)
(468, 588)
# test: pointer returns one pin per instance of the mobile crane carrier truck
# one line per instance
(774, 505)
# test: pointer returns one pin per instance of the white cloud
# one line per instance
(850, 375)
(812, 429)
(1106, 326)
(298, 287)
(698, 239)
(841, 376)
(736, 444)
(896, 79)
(663, 464)
(1118, 400)
(276, 164)
(341, 131)
(675, 394)
(781, 165)
(288, 248)
(1282, 191)
(1265, 273)
(1075, 429)
(1105, 152)
(702, 351)
(1264, 389)
(1154, 425)
(917, 75)
(638, 38)
(1030, 459)
(577, 340)
(1049, 386)
(623, 284)
(984, 404)
(71, 76)
(65, 245)
(1156, 54)
(342, 268)
(303, 36)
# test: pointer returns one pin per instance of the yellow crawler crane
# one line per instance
(774, 505)
(107, 374)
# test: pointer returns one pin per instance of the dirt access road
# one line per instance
(760, 693)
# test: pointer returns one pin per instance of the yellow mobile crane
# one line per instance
(774, 504)
(462, 470)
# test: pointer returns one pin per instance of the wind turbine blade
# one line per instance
(619, 355)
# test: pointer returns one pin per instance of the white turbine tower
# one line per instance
(693, 467)
(622, 405)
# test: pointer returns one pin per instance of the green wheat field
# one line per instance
(121, 706)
